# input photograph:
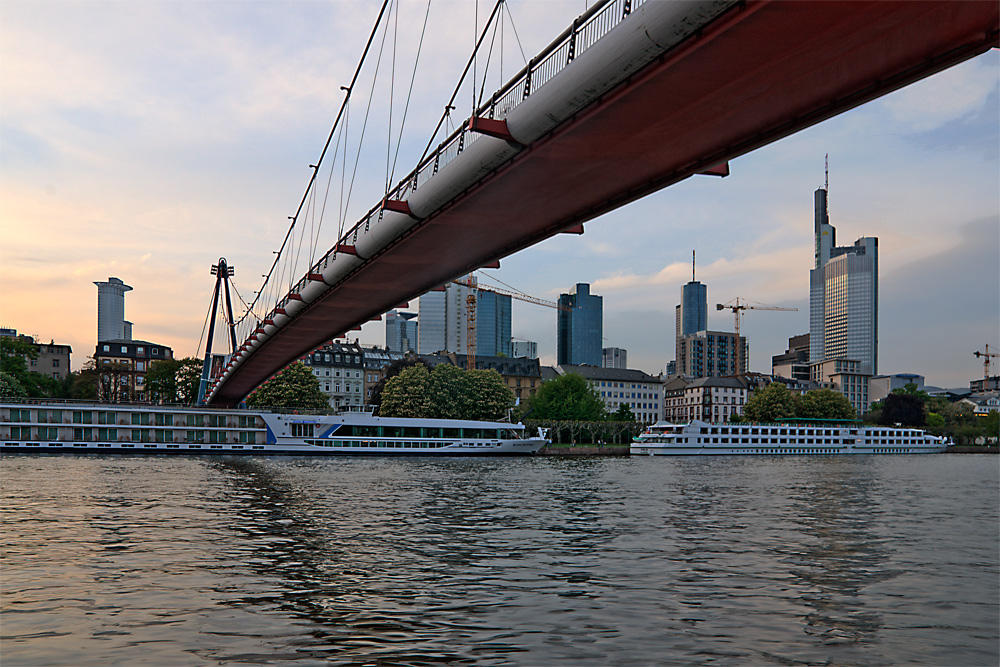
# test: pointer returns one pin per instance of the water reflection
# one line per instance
(839, 512)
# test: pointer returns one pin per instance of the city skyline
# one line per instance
(146, 141)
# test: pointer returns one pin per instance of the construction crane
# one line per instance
(986, 356)
(737, 305)
(471, 301)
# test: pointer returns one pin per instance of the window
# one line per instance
(55, 363)
(107, 348)
(155, 351)
(138, 350)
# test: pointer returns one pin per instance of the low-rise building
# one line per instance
(640, 391)
(52, 360)
(340, 370)
(715, 400)
(844, 376)
(522, 375)
(675, 409)
(991, 383)
(122, 365)
(794, 363)
(376, 361)
(982, 404)
(881, 386)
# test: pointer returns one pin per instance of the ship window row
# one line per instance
(126, 418)
(89, 434)
(129, 445)
(383, 444)
(359, 431)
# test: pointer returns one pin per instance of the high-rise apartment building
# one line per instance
(111, 324)
(711, 354)
(843, 296)
(580, 329)
(401, 331)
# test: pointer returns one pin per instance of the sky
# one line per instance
(145, 140)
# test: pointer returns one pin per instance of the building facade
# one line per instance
(521, 375)
(122, 366)
(794, 363)
(711, 354)
(376, 361)
(641, 392)
(843, 295)
(111, 324)
(881, 386)
(714, 399)
(53, 359)
(493, 324)
(340, 369)
(526, 349)
(401, 331)
(580, 328)
(845, 376)
(614, 357)
(443, 320)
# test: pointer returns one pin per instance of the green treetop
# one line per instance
(569, 397)
(295, 387)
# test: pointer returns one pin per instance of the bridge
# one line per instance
(633, 97)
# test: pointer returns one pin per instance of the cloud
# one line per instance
(944, 97)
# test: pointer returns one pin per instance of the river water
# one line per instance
(861, 561)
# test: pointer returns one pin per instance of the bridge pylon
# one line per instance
(222, 272)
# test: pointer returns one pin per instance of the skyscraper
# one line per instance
(580, 330)
(443, 321)
(111, 324)
(691, 316)
(492, 324)
(400, 331)
(843, 295)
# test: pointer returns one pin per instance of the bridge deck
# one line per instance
(756, 74)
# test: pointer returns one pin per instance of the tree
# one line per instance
(10, 386)
(188, 378)
(905, 409)
(405, 394)
(161, 381)
(825, 404)
(569, 397)
(492, 399)
(293, 388)
(446, 392)
(622, 414)
(114, 382)
(772, 403)
(391, 371)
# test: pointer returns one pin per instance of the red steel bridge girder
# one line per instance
(758, 73)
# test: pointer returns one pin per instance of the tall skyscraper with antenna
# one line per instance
(843, 293)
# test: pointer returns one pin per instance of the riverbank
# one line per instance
(971, 449)
(573, 450)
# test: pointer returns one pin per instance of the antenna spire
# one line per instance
(692, 266)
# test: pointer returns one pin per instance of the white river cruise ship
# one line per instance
(28, 425)
(827, 437)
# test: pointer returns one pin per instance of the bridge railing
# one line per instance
(585, 31)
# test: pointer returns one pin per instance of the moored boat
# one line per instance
(60, 427)
(817, 436)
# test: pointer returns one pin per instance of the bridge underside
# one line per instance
(756, 74)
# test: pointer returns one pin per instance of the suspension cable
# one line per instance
(468, 65)
(409, 94)
(350, 88)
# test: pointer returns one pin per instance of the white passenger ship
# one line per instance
(54, 427)
(830, 438)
